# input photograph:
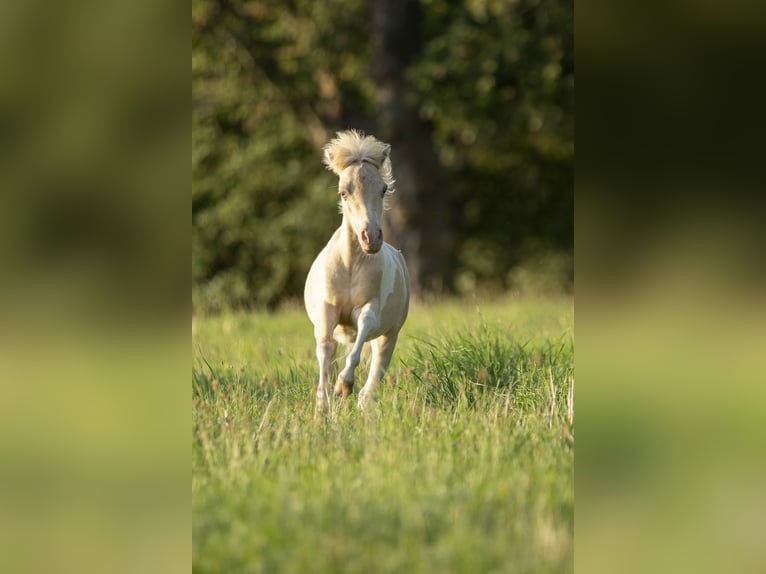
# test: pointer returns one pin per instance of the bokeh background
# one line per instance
(476, 99)
(94, 333)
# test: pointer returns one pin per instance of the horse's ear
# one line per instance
(329, 159)
(386, 151)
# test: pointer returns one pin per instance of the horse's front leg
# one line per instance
(366, 323)
(326, 347)
(382, 351)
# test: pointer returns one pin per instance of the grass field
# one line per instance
(464, 464)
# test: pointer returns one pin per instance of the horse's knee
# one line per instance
(325, 347)
(367, 320)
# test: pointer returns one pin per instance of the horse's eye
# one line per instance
(343, 194)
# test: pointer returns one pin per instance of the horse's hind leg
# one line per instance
(382, 351)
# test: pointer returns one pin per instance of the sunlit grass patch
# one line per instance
(464, 463)
(462, 367)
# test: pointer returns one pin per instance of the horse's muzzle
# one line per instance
(371, 243)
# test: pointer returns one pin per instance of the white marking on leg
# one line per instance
(366, 324)
(382, 351)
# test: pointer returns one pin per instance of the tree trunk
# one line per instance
(418, 222)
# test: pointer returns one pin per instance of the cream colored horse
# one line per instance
(358, 287)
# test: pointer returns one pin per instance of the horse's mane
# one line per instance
(353, 146)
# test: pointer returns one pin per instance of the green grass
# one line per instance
(465, 463)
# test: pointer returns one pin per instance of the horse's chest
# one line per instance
(355, 288)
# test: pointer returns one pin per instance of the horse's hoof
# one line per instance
(364, 402)
(323, 405)
(344, 388)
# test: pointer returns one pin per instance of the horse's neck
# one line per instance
(347, 245)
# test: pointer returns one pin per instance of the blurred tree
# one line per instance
(267, 77)
(419, 221)
(475, 98)
(496, 80)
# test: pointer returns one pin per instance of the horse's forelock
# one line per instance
(352, 147)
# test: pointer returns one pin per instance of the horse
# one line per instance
(358, 288)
